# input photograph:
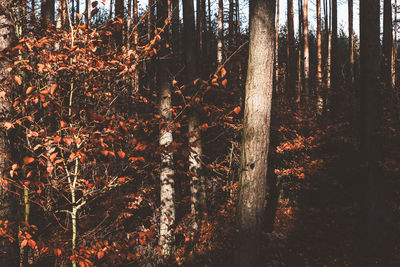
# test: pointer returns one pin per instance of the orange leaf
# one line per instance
(57, 139)
(104, 152)
(100, 254)
(223, 72)
(32, 243)
(23, 243)
(53, 156)
(63, 124)
(18, 79)
(28, 160)
(68, 141)
(79, 16)
(29, 90)
(121, 180)
(57, 252)
(224, 82)
(8, 125)
(237, 110)
(121, 154)
(53, 89)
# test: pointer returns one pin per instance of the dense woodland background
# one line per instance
(183, 135)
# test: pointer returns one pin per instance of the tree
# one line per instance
(47, 12)
(255, 139)
(276, 55)
(373, 203)
(291, 65)
(8, 242)
(119, 14)
(167, 194)
(351, 43)
(394, 53)
(334, 60)
(87, 13)
(387, 43)
(306, 53)
(320, 100)
(220, 31)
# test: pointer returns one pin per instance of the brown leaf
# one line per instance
(18, 79)
(28, 160)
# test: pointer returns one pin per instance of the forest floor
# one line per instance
(322, 226)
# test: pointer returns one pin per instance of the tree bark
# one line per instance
(119, 13)
(291, 64)
(394, 54)
(276, 55)
(167, 190)
(9, 250)
(220, 31)
(150, 20)
(373, 213)
(351, 43)
(255, 140)
(320, 100)
(335, 72)
(387, 44)
(88, 13)
(47, 12)
(306, 53)
(300, 59)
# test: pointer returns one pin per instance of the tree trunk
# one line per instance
(335, 72)
(306, 53)
(88, 13)
(394, 54)
(328, 46)
(119, 13)
(220, 31)
(167, 190)
(77, 11)
(387, 44)
(47, 12)
(291, 64)
(299, 62)
(276, 55)
(373, 213)
(230, 22)
(351, 43)
(175, 28)
(9, 250)
(320, 100)
(150, 20)
(255, 140)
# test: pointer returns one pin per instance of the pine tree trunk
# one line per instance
(119, 13)
(88, 13)
(320, 100)
(291, 64)
(276, 55)
(300, 61)
(255, 139)
(9, 250)
(47, 12)
(150, 20)
(373, 214)
(306, 53)
(387, 44)
(351, 43)
(394, 54)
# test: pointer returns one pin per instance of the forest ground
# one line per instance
(317, 219)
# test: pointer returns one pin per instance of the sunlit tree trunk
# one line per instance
(373, 202)
(291, 64)
(335, 71)
(167, 193)
(387, 43)
(276, 55)
(9, 250)
(328, 47)
(306, 52)
(256, 128)
(220, 31)
(77, 11)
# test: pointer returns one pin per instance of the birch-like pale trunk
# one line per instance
(167, 190)
(220, 31)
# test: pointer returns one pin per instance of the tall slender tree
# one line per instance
(276, 55)
(387, 43)
(167, 190)
(255, 139)
(306, 53)
(88, 7)
(373, 202)
(47, 9)
(119, 14)
(291, 64)
(220, 31)
(351, 43)
(394, 54)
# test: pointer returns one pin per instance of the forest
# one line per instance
(199, 133)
